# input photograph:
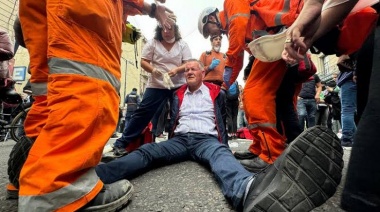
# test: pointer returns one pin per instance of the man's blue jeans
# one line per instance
(348, 100)
(231, 176)
(242, 120)
(306, 108)
(152, 100)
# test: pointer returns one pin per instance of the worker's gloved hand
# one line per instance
(131, 34)
(227, 76)
(214, 63)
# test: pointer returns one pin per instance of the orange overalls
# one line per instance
(216, 75)
(240, 19)
(75, 49)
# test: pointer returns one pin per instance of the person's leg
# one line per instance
(143, 159)
(240, 119)
(235, 110)
(286, 111)
(259, 98)
(158, 120)
(325, 115)
(152, 99)
(83, 105)
(231, 176)
(362, 189)
(348, 98)
(364, 69)
(33, 19)
(311, 108)
(302, 113)
(229, 109)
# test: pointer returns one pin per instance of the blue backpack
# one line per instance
(233, 92)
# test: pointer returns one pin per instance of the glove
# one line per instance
(131, 34)
(156, 73)
(227, 76)
(214, 63)
(168, 81)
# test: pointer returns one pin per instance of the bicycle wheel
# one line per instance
(17, 158)
(17, 125)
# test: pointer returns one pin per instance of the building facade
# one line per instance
(326, 66)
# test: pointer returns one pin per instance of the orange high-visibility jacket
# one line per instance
(241, 18)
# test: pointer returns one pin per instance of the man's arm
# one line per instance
(139, 7)
(311, 24)
(239, 15)
(318, 92)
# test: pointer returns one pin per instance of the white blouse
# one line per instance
(165, 61)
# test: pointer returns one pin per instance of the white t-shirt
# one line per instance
(166, 60)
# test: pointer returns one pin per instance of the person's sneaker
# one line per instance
(305, 175)
(119, 151)
(242, 155)
(254, 165)
(12, 191)
(112, 197)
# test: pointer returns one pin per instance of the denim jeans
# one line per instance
(242, 120)
(348, 101)
(306, 108)
(152, 100)
(230, 175)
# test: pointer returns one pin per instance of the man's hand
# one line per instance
(173, 72)
(317, 99)
(299, 36)
(214, 63)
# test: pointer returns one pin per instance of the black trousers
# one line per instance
(362, 189)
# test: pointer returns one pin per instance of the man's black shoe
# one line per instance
(112, 197)
(305, 175)
(242, 155)
(119, 151)
(347, 144)
(254, 165)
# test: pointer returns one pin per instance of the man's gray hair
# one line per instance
(201, 66)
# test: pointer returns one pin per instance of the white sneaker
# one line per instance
(107, 148)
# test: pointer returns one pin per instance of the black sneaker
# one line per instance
(112, 197)
(305, 175)
(254, 165)
(241, 155)
(119, 151)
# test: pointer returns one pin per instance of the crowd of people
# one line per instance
(280, 105)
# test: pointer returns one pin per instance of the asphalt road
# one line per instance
(181, 187)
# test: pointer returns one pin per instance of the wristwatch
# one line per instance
(153, 8)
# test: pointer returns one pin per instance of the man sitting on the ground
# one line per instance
(303, 177)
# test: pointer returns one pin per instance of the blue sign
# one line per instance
(19, 73)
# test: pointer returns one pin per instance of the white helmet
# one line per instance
(203, 19)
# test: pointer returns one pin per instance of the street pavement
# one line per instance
(186, 186)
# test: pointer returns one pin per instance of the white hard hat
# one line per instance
(203, 19)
